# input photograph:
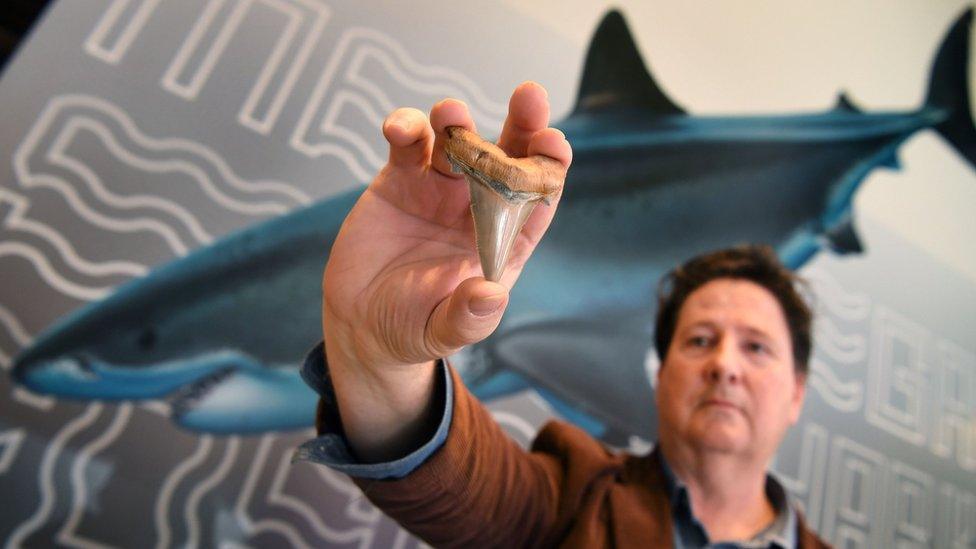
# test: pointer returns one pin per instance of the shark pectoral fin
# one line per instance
(573, 414)
(615, 74)
(243, 401)
(592, 371)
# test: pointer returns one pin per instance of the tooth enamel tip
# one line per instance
(497, 223)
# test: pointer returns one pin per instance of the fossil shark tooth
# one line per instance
(504, 191)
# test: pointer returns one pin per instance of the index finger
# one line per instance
(449, 112)
(528, 112)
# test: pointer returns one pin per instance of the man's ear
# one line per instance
(799, 393)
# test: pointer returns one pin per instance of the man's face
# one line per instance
(727, 383)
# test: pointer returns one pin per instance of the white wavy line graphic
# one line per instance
(17, 220)
(190, 88)
(173, 165)
(171, 76)
(849, 349)
(66, 534)
(50, 275)
(46, 476)
(889, 373)
(50, 113)
(329, 127)
(29, 179)
(132, 29)
(10, 441)
(811, 471)
(126, 202)
(477, 100)
(277, 52)
(289, 532)
(110, 224)
(841, 302)
(247, 493)
(428, 74)
(357, 507)
(192, 148)
(14, 327)
(844, 396)
(403, 538)
(173, 479)
(277, 495)
(482, 109)
(193, 501)
(43, 403)
(245, 116)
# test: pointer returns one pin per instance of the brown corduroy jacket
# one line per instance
(480, 489)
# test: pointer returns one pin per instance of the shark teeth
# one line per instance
(184, 399)
(504, 191)
(497, 223)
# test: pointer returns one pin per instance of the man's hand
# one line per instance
(403, 285)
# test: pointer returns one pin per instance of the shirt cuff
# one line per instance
(331, 448)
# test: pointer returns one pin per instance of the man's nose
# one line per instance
(725, 364)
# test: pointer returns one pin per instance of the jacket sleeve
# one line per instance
(332, 449)
(480, 489)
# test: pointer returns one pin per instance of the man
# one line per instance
(402, 290)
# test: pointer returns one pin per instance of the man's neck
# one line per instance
(727, 493)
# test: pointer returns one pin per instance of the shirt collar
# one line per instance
(689, 532)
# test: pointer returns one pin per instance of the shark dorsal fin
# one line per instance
(615, 75)
(845, 104)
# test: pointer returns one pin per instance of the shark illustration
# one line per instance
(221, 333)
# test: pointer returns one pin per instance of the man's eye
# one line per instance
(698, 341)
(757, 347)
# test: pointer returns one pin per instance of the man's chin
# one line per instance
(721, 439)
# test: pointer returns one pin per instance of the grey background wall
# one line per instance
(134, 131)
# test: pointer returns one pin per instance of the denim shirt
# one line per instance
(689, 532)
(332, 449)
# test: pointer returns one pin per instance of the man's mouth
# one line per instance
(720, 403)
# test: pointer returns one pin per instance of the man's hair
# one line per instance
(757, 264)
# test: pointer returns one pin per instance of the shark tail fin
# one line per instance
(949, 88)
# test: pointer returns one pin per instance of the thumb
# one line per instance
(467, 316)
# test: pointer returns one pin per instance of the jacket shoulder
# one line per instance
(808, 538)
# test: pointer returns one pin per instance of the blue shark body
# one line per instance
(650, 186)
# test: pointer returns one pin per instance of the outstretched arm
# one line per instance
(403, 285)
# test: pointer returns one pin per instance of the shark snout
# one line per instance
(63, 375)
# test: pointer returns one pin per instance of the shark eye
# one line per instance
(147, 339)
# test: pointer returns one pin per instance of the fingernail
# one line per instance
(484, 306)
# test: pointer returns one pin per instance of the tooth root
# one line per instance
(497, 223)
